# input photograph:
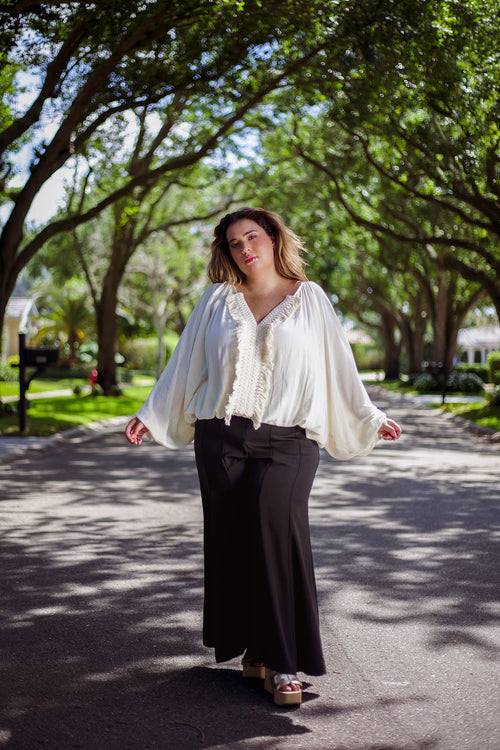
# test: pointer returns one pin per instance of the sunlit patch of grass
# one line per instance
(48, 416)
(480, 413)
(40, 386)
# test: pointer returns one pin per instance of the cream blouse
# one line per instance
(295, 367)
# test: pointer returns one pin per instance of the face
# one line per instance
(251, 248)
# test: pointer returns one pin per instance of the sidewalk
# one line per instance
(42, 394)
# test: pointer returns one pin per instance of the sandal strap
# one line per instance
(281, 679)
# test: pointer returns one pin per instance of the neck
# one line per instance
(263, 283)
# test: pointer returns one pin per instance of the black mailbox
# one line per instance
(40, 357)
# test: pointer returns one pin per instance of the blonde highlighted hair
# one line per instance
(288, 248)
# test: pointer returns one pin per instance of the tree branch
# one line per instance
(376, 228)
(55, 69)
(408, 188)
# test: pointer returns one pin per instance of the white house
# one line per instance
(19, 310)
(476, 343)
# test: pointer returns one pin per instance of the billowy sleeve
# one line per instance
(352, 420)
(164, 412)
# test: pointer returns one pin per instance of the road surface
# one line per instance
(101, 571)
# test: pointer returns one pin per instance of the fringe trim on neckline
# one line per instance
(255, 340)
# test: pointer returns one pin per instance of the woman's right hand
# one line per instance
(135, 430)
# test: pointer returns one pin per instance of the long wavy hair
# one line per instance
(288, 247)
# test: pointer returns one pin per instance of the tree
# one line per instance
(390, 285)
(94, 63)
(406, 132)
(428, 132)
(446, 296)
(136, 222)
(163, 282)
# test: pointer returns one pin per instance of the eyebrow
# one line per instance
(233, 239)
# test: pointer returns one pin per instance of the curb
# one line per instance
(14, 448)
(475, 429)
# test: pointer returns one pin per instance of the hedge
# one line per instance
(493, 362)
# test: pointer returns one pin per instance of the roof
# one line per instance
(480, 336)
(19, 308)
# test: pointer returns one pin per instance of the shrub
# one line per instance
(468, 382)
(494, 367)
(8, 374)
(474, 369)
(367, 356)
(495, 397)
(140, 353)
(8, 409)
(425, 382)
(453, 382)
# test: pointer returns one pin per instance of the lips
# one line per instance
(250, 259)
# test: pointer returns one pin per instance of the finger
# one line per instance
(133, 431)
(129, 429)
(388, 433)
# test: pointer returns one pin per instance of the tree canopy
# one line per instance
(373, 127)
(193, 69)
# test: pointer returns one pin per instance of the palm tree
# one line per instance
(66, 318)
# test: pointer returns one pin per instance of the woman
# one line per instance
(261, 378)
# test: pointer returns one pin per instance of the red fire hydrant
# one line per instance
(93, 380)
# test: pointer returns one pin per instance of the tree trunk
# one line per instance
(448, 315)
(413, 334)
(160, 315)
(440, 322)
(7, 284)
(107, 330)
(392, 348)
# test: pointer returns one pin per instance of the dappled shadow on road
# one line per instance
(417, 533)
(100, 635)
(102, 589)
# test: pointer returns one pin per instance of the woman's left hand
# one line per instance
(390, 430)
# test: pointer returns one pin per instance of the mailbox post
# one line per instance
(440, 372)
(38, 357)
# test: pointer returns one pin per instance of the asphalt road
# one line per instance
(101, 597)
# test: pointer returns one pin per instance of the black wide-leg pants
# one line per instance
(260, 590)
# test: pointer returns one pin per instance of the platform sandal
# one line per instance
(276, 681)
(252, 668)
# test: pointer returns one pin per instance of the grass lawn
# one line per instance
(480, 413)
(50, 415)
(40, 386)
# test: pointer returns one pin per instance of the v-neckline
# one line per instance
(273, 310)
